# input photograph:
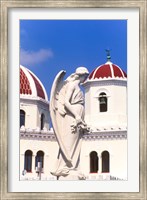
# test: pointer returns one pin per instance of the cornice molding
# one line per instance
(100, 82)
(37, 136)
(117, 135)
(29, 99)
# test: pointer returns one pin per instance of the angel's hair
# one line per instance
(72, 77)
(80, 71)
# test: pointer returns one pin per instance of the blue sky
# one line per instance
(48, 46)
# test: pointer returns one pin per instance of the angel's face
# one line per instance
(83, 77)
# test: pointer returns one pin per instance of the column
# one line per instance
(100, 165)
(33, 164)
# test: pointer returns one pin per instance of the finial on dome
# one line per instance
(108, 54)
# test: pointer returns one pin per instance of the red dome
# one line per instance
(107, 70)
(31, 85)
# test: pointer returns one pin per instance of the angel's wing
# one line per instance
(57, 112)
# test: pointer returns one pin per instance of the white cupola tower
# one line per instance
(34, 104)
(106, 97)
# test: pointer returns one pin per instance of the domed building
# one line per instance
(106, 93)
(104, 149)
(33, 101)
(36, 138)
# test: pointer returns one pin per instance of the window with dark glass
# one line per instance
(22, 118)
(28, 161)
(103, 102)
(39, 158)
(93, 162)
(105, 161)
(42, 121)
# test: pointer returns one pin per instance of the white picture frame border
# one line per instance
(4, 101)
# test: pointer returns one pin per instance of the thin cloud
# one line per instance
(23, 32)
(35, 57)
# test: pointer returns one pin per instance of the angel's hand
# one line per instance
(73, 128)
(79, 121)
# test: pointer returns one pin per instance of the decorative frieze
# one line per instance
(116, 135)
(37, 136)
(106, 135)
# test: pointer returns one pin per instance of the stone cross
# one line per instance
(39, 169)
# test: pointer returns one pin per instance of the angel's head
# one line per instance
(82, 73)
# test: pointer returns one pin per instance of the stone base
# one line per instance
(72, 176)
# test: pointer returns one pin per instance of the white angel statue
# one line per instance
(67, 115)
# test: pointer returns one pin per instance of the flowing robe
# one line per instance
(70, 138)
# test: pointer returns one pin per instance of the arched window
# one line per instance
(28, 161)
(103, 102)
(105, 161)
(22, 118)
(93, 162)
(42, 121)
(39, 158)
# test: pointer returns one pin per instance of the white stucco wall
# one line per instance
(50, 149)
(117, 150)
(30, 114)
(116, 114)
(118, 156)
(33, 110)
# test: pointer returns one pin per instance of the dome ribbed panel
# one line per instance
(31, 85)
(25, 87)
(103, 72)
(107, 70)
(39, 88)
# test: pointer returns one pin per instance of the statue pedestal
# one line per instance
(72, 176)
